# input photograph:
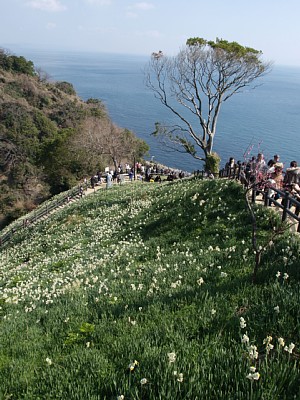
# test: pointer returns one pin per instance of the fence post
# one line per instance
(253, 194)
(267, 201)
(285, 205)
(239, 174)
(234, 169)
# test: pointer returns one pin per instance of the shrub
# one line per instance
(66, 87)
(212, 163)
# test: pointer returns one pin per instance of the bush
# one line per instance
(66, 87)
(212, 163)
(16, 64)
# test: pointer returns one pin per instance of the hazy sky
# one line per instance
(141, 27)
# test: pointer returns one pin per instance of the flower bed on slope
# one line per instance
(144, 292)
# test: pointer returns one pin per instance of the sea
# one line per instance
(265, 119)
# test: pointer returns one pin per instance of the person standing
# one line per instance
(92, 182)
(108, 180)
(292, 174)
(130, 175)
(275, 161)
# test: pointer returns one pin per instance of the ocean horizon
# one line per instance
(265, 119)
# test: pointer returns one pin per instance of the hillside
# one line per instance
(145, 291)
(50, 138)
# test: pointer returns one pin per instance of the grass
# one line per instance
(144, 292)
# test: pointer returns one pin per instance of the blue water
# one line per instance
(267, 119)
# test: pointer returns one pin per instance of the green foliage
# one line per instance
(233, 47)
(66, 87)
(70, 115)
(41, 125)
(83, 334)
(29, 131)
(196, 42)
(229, 47)
(138, 291)
(21, 65)
(212, 163)
(188, 146)
(47, 130)
(58, 162)
(136, 147)
(16, 64)
(96, 107)
(141, 149)
(14, 89)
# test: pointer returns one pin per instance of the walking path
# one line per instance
(293, 225)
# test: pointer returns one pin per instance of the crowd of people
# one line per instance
(256, 170)
(270, 174)
(148, 172)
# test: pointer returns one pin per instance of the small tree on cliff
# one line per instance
(194, 84)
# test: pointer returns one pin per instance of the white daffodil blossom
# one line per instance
(289, 348)
(245, 339)
(267, 340)
(242, 323)
(200, 281)
(253, 377)
(253, 353)
(276, 309)
(269, 347)
(133, 365)
(172, 357)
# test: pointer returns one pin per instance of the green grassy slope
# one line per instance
(144, 292)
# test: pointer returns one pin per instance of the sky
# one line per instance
(143, 27)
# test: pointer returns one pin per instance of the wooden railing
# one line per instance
(287, 202)
(38, 214)
(282, 199)
(232, 173)
(45, 209)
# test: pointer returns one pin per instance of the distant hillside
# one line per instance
(50, 138)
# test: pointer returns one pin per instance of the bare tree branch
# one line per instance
(194, 84)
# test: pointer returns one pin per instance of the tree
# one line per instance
(16, 64)
(100, 137)
(194, 84)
